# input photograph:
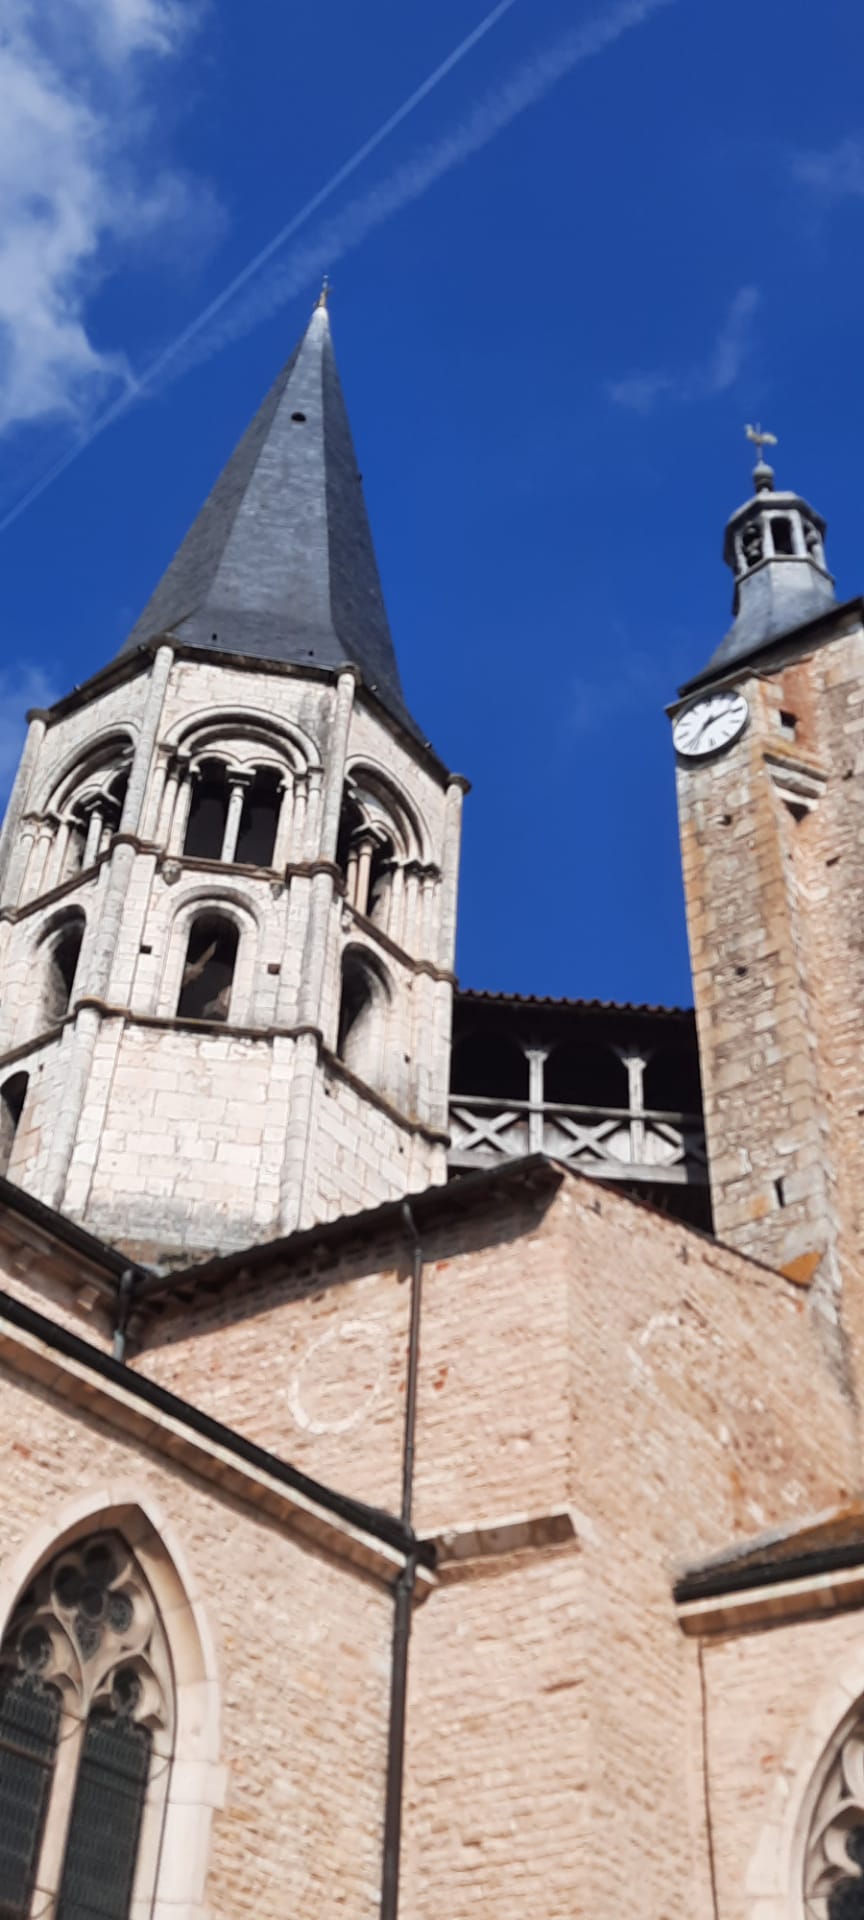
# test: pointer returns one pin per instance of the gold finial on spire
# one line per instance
(324, 296)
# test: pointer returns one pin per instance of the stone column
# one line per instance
(9, 834)
(282, 846)
(364, 849)
(100, 944)
(456, 791)
(636, 1064)
(238, 784)
(315, 946)
(54, 874)
(39, 858)
(93, 840)
(186, 776)
(536, 1058)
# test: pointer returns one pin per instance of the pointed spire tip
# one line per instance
(323, 300)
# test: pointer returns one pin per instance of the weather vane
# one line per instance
(760, 439)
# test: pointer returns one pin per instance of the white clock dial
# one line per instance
(710, 723)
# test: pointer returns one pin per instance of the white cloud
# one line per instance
(837, 173)
(73, 138)
(719, 371)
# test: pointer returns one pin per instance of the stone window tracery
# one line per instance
(834, 1859)
(86, 1733)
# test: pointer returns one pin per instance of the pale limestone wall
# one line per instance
(566, 1347)
(773, 1699)
(140, 1157)
(500, 1748)
(585, 1355)
(296, 1659)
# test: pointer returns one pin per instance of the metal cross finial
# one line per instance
(324, 295)
(760, 439)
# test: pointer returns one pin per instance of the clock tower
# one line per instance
(769, 743)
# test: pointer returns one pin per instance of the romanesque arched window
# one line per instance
(86, 1734)
(208, 973)
(12, 1096)
(380, 855)
(60, 952)
(363, 1003)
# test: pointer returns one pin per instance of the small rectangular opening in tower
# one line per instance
(781, 534)
(788, 723)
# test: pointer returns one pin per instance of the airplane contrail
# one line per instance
(204, 336)
(138, 384)
(528, 85)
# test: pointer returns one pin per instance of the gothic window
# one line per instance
(208, 814)
(61, 963)
(362, 1016)
(12, 1096)
(256, 840)
(84, 1671)
(211, 956)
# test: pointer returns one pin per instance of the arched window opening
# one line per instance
(83, 1665)
(590, 1075)
(75, 846)
(12, 1096)
(489, 1066)
(211, 956)
(672, 1083)
(64, 948)
(208, 814)
(256, 840)
(362, 1010)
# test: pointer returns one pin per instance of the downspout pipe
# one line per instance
(403, 1599)
(125, 1296)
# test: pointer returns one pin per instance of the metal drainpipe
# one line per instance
(124, 1308)
(403, 1603)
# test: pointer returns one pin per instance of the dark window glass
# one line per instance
(29, 1722)
(102, 1846)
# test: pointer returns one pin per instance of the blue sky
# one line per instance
(612, 233)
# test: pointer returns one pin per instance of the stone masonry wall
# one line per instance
(773, 850)
(301, 1657)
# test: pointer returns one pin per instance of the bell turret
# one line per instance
(775, 547)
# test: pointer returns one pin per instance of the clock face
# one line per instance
(710, 723)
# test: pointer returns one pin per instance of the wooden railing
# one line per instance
(613, 1143)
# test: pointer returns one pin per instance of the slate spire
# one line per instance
(280, 565)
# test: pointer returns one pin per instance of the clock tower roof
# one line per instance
(774, 545)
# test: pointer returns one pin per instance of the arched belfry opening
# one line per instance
(363, 1004)
(208, 813)
(61, 953)
(13, 1094)
(208, 973)
(259, 820)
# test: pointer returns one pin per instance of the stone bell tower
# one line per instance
(770, 774)
(229, 872)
